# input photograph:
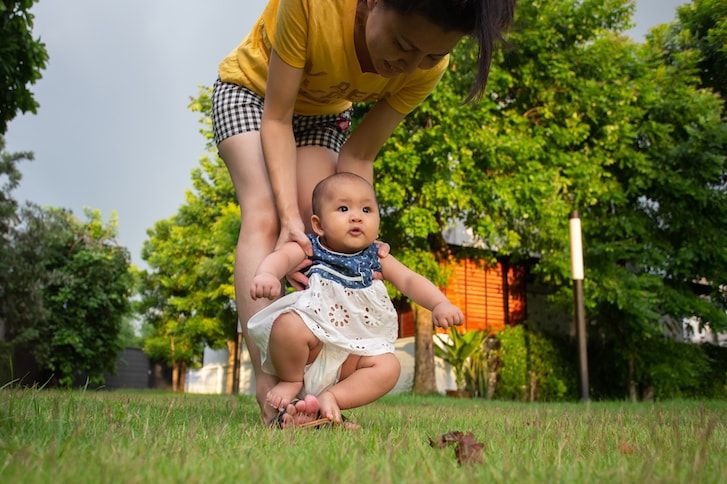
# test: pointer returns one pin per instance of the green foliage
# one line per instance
(187, 297)
(714, 384)
(10, 177)
(532, 365)
(16, 303)
(458, 350)
(68, 293)
(128, 336)
(673, 369)
(701, 26)
(21, 60)
(662, 369)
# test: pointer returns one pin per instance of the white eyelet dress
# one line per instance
(344, 307)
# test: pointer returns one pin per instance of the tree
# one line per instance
(701, 26)
(188, 297)
(78, 282)
(22, 58)
(18, 304)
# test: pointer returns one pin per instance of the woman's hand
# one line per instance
(294, 231)
(384, 250)
(296, 278)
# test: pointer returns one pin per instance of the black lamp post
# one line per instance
(577, 273)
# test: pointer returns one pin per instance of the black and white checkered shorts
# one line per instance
(236, 109)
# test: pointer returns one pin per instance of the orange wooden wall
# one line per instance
(488, 300)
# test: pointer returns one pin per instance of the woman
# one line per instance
(281, 110)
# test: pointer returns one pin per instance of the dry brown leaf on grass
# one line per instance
(444, 439)
(626, 448)
(467, 450)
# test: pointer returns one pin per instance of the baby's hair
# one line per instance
(484, 20)
(323, 187)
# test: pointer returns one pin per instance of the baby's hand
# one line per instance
(265, 285)
(446, 314)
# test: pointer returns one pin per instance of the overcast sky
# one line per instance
(113, 130)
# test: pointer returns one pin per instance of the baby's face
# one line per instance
(349, 217)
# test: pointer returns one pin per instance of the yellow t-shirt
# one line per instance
(317, 36)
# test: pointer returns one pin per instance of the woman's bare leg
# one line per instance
(314, 164)
(258, 233)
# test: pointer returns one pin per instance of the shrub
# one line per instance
(714, 383)
(459, 351)
(672, 369)
(531, 367)
(663, 369)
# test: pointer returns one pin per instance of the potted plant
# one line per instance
(456, 351)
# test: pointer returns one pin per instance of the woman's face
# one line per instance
(399, 44)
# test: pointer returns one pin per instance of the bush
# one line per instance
(672, 369)
(663, 369)
(532, 368)
(714, 384)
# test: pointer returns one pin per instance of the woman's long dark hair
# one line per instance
(484, 20)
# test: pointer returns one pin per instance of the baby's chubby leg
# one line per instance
(292, 346)
(364, 379)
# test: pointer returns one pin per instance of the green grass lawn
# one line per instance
(56, 436)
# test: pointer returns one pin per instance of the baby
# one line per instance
(334, 341)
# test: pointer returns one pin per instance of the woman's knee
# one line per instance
(259, 223)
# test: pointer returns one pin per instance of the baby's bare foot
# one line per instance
(329, 407)
(331, 411)
(281, 394)
(301, 412)
(309, 406)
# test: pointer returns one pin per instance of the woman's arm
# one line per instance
(421, 291)
(279, 147)
(266, 282)
(358, 153)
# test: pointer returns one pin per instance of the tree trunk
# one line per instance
(424, 381)
(491, 384)
(175, 377)
(533, 394)
(182, 375)
(633, 386)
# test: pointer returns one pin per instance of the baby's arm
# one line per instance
(422, 292)
(266, 282)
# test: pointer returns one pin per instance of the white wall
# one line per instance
(696, 334)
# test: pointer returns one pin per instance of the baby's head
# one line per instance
(345, 213)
